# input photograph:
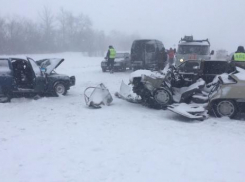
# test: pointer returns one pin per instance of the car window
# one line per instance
(217, 67)
(4, 67)
(150, 48)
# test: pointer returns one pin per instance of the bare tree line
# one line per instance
(58, 33)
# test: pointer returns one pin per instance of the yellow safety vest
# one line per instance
(112, 53)
(239, 57)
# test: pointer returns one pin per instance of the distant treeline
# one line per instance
(58, 33)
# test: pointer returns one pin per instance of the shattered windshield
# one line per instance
(4, 67)
(193, 49)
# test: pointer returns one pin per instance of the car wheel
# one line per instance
(60, 89)
(5, 98)
(224, 108)
(124, 68)
(162, 97)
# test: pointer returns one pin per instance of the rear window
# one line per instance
(150, 48)
(121, 55)
(4, 67)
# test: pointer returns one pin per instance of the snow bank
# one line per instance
(60, 139)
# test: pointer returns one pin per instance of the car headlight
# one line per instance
(181, 60)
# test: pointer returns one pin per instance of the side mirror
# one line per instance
(212, 52)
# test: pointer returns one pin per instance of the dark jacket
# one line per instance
(163, 56)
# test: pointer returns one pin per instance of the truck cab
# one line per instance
(190, 49)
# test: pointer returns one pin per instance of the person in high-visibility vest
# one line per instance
(239, 57)
(110, 56)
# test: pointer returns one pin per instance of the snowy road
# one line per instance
(61, 140)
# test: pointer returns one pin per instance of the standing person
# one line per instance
(110, 56)
(174, 50)
(162, 59)
(238, 58)
(171, 56)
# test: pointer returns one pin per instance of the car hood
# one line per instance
(49, 64)
(57, 75)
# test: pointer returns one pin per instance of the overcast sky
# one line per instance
(222, 21)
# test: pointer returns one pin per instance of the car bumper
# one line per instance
(72, 81)
(116, 66)
(150, 66)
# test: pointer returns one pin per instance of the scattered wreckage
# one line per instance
(26, 77)
(190, 90)
(98, 96)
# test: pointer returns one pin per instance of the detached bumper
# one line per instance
(72, 81)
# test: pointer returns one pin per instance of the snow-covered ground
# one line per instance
(61, 140)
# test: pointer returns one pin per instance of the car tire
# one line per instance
(162, 97)
(4, 98)
(225, 108)
(59, 89)
(124, 68)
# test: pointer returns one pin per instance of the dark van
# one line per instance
(145, 54)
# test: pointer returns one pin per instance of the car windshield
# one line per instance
(4, 67)
(120, 55)
(193, 49)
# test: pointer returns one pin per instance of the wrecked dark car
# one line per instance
(191, 70)
(20, 77)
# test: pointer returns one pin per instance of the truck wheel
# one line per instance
(60, 89)
(162, 97)
(224, 108)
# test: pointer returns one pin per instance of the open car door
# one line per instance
(39, 81)
(6, 80)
